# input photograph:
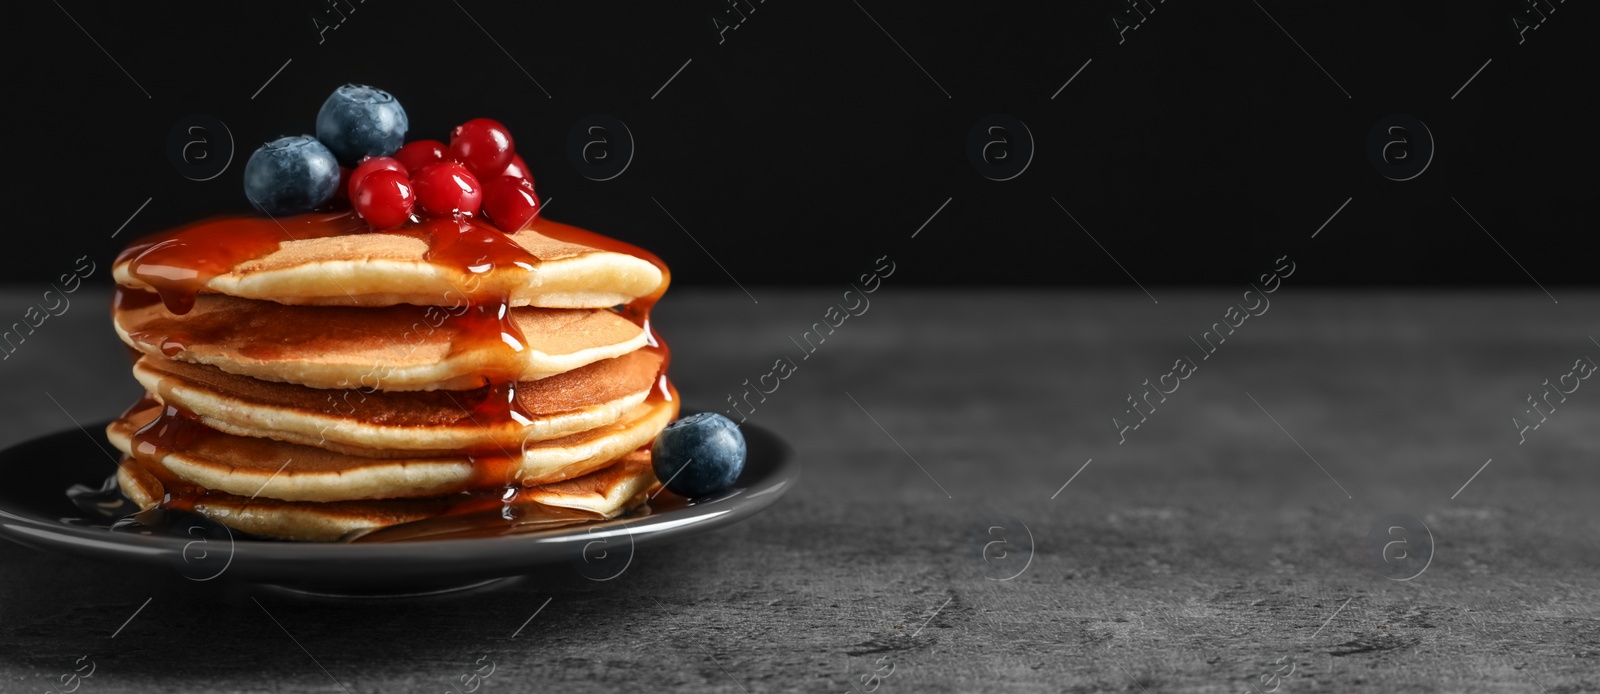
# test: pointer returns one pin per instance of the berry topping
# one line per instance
(483, 145)
(369, 166)
(291, 175)
(698, 455)
(383, 198)
(510, 203)
(415, 155)
(445, 187)
(359, 121)
(518, 169)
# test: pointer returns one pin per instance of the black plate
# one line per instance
(35, 511)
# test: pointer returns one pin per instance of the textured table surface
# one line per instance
(1222, 548)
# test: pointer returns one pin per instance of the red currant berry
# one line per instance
(383, 198)
(367, 167)
(445, 188)
(415, 155)
(519, 169)
(483, 145)
(510, 203)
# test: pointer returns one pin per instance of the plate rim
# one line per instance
(279, 560)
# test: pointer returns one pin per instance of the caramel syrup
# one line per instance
(637, 310)
(473, 250)
(174, 428)
(130, 299)
(178, 265)
(483, 508)
(476, 523)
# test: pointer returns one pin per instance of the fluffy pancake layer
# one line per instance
(266, 468)
(392, 348)
(384, 424)
(310, 378)
(382, 269)
(599, 495)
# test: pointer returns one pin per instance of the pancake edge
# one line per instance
(543, 462)
(563, 283)
(337, 433)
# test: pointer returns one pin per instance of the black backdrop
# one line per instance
(807, 142)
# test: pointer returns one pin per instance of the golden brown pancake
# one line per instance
(400, 347)
(404, 424)
(258, 467)
(382, 269)
(599, 495)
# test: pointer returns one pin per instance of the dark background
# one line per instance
(807, 144)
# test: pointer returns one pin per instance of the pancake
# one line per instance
(399, 347)
(405, 424)
(321, 260)
(257, 467)
(599, 495)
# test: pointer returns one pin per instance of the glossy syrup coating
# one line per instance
(423, 189)
(177, 264)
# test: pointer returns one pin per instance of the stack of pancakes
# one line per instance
(335, 383)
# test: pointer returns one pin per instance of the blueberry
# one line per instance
(698, 455)
(358, 121)
(290, 175)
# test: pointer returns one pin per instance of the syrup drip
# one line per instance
(131, 299)
(175, 344)
(637, 310)
(173, 429)
(487, 328)
(496, 403)
(475, 250)
(178, 265)
(480, 510)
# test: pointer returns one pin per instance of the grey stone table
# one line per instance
(1221, 548)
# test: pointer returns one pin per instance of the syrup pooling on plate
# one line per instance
(480, 515)
(474, 524)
